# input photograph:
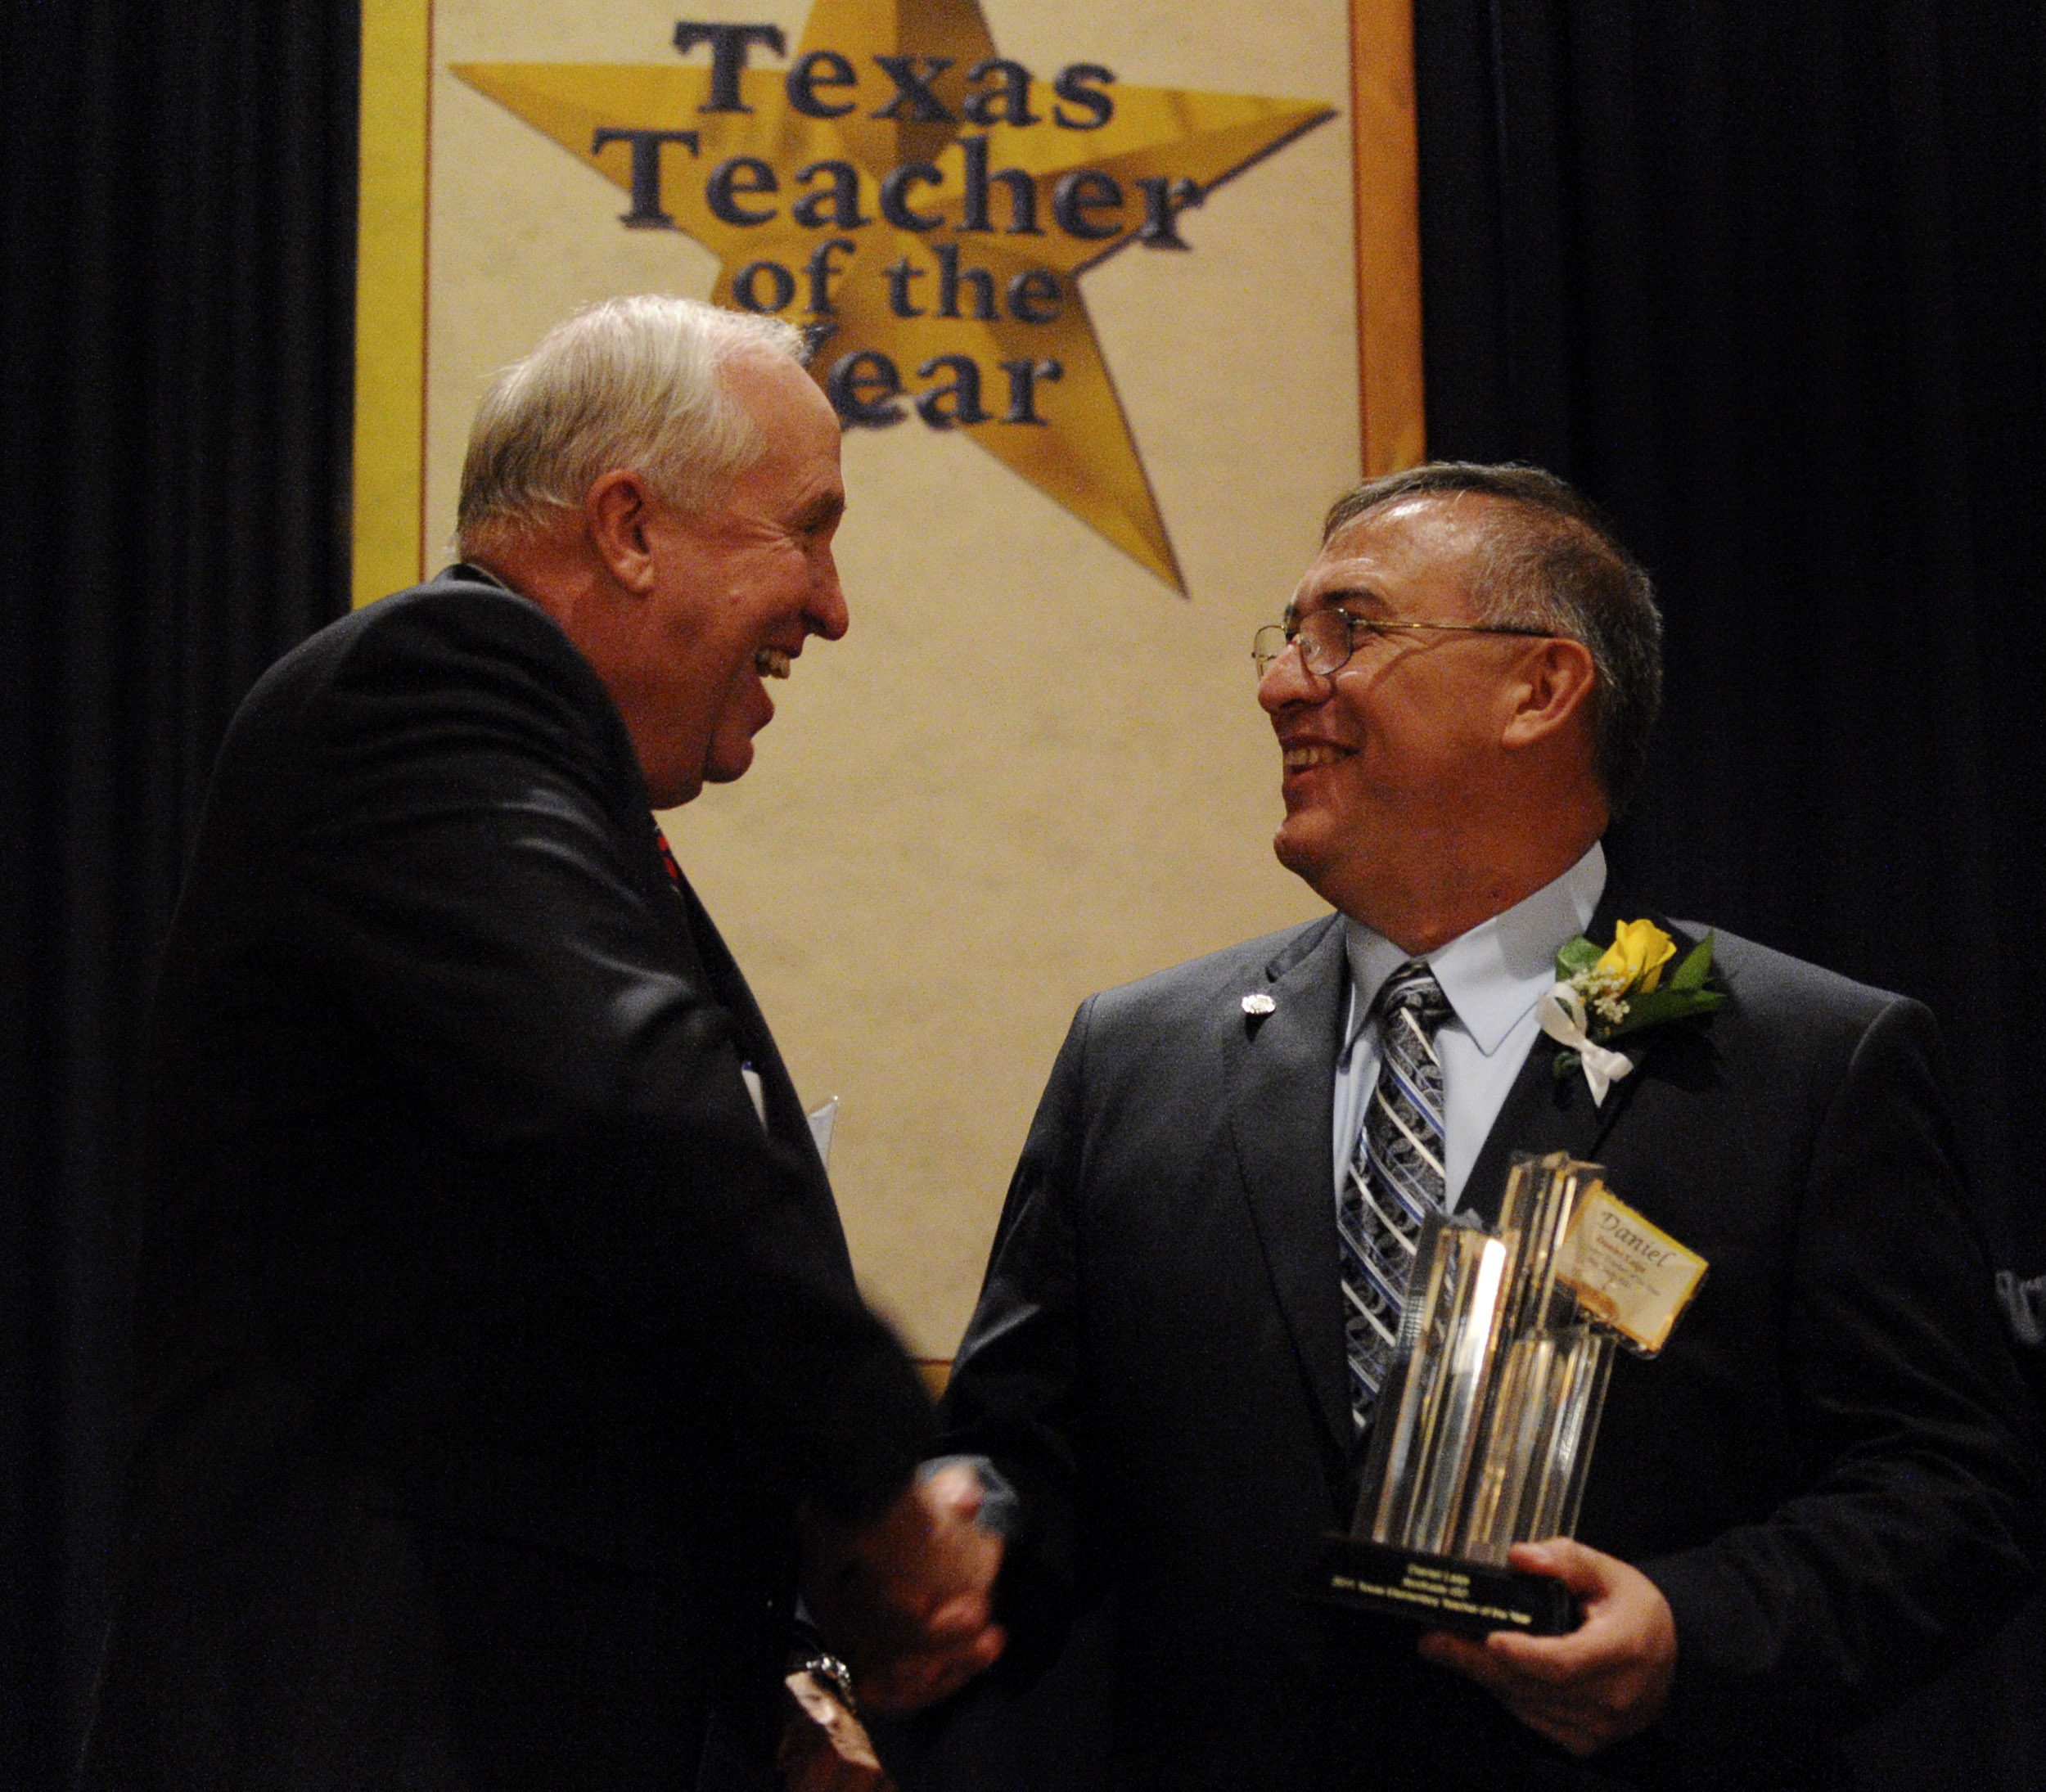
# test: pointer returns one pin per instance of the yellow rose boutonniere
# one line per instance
(1635, 958)
(1600, 994)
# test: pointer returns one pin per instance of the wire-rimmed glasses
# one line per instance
(1327, 639)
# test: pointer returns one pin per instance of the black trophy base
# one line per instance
(1438, 1592)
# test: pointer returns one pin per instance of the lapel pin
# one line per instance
(1258, 1004)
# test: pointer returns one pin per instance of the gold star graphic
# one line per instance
(926, 207)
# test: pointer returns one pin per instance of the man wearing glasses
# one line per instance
(1812, 1500)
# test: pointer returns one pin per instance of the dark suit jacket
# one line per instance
(488, 1342)
(1823, 1472)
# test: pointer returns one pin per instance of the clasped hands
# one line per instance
(1607, 1680)
(907, 1598)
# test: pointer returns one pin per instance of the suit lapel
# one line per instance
(785, 1116)
(1281, 1095)
(1544, 1112)
(727, 985)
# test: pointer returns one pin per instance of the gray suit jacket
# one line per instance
(1825, 1472)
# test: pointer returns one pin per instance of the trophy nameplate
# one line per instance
(1483, 1430)
(1469, 1598)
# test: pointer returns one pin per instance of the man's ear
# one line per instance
(617, 510)
(1550, 687)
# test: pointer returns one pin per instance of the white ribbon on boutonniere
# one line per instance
(1560, 1012)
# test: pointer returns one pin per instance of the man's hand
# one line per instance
(907, 1599)
(1607, 1680)
(824, 1747)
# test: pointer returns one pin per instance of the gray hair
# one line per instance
(1551, 560)
(636, 382)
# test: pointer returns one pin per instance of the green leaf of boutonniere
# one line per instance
(1695, 968)
(1576, 955)
(1658, 1005)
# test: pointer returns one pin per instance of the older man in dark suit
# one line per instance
(498, 1332)
(1816, 1497)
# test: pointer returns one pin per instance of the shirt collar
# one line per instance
(476, 575)
(1495, 973)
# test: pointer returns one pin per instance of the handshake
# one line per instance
(907, 1600)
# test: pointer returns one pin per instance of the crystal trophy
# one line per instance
(1483, 1430)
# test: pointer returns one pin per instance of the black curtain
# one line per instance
(176, 221)
(1768, 279)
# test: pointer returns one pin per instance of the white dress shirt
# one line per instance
(1493, 976)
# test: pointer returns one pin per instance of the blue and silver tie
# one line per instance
(1395, 1178)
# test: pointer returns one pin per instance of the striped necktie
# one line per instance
(667, 855)
(1395, 1178)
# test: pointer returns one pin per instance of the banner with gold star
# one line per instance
(1111, 299)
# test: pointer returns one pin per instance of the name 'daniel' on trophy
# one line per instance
(1485, 1425)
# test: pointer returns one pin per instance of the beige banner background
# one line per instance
(1030, 770)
